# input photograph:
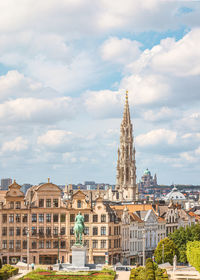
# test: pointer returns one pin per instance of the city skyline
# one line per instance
(63, 84)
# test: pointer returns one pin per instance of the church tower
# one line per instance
(126, 168)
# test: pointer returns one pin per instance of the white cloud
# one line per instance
(54, 138)
(181, 58)
(16, 145)
(156, 137)
(36, 110)
(120, 50)
(163, 114)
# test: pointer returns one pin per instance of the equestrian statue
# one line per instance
(79, 229)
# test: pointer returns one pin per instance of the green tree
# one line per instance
(181, 236)
(169, 251)
(193, 254)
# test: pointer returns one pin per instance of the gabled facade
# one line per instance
(41, 224)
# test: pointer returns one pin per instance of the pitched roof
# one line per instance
(133, 207)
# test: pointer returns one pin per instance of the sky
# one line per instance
(64, 68)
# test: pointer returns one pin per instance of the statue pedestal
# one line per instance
(79, 256)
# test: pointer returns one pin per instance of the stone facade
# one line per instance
(41, 223)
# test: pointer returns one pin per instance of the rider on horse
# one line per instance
(79, 228)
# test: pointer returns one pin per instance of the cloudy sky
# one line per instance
(64, 69)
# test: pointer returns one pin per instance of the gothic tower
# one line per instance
(126, 168)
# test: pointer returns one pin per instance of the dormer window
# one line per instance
(11, 205)
(18, 205)
(55, 202)
(79, 204)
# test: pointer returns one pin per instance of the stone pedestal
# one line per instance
(79, 256)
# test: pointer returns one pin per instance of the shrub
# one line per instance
(193, 254)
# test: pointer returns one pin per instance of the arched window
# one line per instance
(79, 204)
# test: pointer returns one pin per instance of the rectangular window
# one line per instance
(34, 231)
(62, 218)
(48, 203)
(41, 202)
(72, 231)
(55, 230)
(41, 244)
(62, 231)
(55, 202)
(4, 244)
(41, 218)
(55, 244)
(48, 244)
(18, 231)
(110, 231)
(72, 218)
(11, 231)
(94, 244)
(109, 243)
(34, 218)
(4, 231)
(24, 244)
(48, 218)
(48, 231)
(95, 230)
(18, 218)
(62, 244)
(34, 245)
(24, 231)
(25, 218)
(11, 218)
(18, 244)
(41, 231)
(11, 244)
(72, 243)
(4, 218)
(103, 218)
(95, 218)
(103, 244)
(86, 231)
(55, 218)
(86, 218)
(103, 230)
(18, 205)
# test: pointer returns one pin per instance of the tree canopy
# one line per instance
(180, 238)
(167, 247)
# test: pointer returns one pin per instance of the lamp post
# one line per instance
(27, 233)
(143, 232)
(58, 250)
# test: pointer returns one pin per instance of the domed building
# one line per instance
(175, 196)
(147, 180)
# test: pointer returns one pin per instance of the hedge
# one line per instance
(150, 272)
(8, 271)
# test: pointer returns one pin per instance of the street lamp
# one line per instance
(27, 233)
(58, 250)
(143, 232)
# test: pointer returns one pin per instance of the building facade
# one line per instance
(40, 226)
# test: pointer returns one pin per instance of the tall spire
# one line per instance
(126, 115)
(126, 169)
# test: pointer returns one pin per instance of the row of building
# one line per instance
(40, 225)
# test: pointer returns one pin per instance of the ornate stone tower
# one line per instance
(126, 168)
